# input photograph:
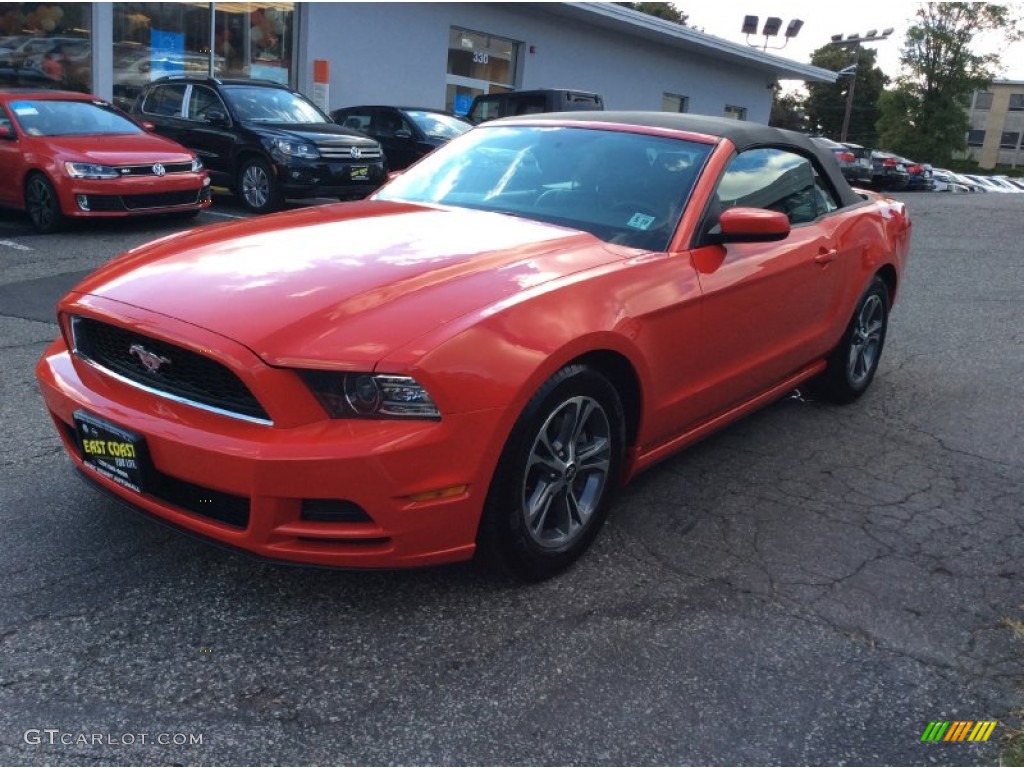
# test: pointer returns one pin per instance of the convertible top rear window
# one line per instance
(624, 188)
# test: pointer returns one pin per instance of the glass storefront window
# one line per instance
(478, 64)
(251, 40)
(46, 45)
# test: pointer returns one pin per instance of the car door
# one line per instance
(208, 131)
(770, 307)
(11, 160)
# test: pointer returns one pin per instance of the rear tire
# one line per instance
(42, 205)
(553, 485)
(853, 363)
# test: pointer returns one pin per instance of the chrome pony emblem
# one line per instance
(150, 361)
(159, 170)
(356, 153)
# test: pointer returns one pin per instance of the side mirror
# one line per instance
(402, 133)
(749, 225)
(6, 132)
(216, 117)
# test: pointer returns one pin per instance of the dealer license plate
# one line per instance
(359, 173)
(115, 453)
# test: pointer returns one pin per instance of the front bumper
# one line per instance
(130, 196)
(330, 178)
(243, 485)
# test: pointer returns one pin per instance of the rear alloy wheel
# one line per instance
(42, 204)
(552, 489)
(257, 186)
(852, 364)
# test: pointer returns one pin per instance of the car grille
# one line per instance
(344, 151)
(147, 170)
(111, 203)
(187, 376)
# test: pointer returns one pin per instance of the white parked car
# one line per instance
(947, 181)
(1016, 185)
(988, 184)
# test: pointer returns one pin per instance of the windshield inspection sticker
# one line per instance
(640, 221)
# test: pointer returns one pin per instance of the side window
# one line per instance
(387, 123)
(827, 201)
(526, 105)
(5, 121)
(165, 100)
(774, 179)
(203, 101)
(357, 121)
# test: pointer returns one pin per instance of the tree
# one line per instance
(926, 118)
(789, 111)
(826, 102)
(666, 11)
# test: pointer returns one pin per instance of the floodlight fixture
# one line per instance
(771, 26)
(794, 28)
(749, 25)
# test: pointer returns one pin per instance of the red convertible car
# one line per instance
(473, 360)
(69, 155)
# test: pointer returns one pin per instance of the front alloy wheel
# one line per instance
(42, 205)
(553, 484)
(566, 473)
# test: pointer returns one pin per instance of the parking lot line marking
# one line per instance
(226, 215)
(14, 245)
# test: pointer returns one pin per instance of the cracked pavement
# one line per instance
(811, 586)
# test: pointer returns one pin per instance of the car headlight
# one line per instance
(371, 395)
(91, 171)
(295, 148)
(197, 165)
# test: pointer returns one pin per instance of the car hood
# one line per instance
(314, 132)
(119, 150)
(343, 285)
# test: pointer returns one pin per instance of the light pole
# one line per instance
(855, 41)
(771, 28)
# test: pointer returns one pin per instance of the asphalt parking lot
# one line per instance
(812, 586)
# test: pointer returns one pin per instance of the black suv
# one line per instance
(509, 103)
(262, 140)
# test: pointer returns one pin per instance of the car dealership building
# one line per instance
(423, 54)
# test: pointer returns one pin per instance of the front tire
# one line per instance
(42, 205)
(853, 363)
(258, 188)
(553, 486)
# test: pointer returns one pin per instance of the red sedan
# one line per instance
(472, 361)
(70, 155)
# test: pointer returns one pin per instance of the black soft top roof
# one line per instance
(742, 134)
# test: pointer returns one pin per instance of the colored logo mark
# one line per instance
(959, 730)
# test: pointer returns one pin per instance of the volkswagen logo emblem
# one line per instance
(159, 170)
(356, 153)
(150, 360)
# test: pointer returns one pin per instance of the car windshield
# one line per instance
(624, 188)
(70, 118)
(272, 105)
(436, 125)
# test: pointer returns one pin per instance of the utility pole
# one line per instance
(854, 41)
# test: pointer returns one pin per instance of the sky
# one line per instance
(822, 19)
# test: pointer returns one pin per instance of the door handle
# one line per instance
(826, 256)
